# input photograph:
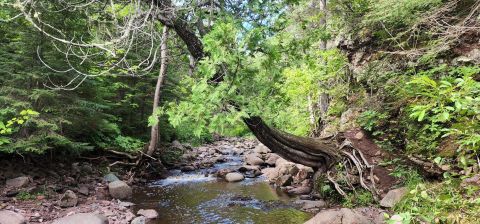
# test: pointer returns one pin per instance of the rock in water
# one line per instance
(82, 218)
(234, 177)
(253, 160)
(309, 204)
(110, 178)
(393, 197)
(18, 182)
(148, 213)
(271, 159)
(9, 217)
(119, 190)
(68, 199)
(139, 220)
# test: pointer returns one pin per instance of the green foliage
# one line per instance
(448, 106)
(370, 119)
(444, 202)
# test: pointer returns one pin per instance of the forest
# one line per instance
(239, 111)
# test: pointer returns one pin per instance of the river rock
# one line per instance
(339, 216)
(148, 213)
(9, 217)
(393, 197)
(284, 180)
(300, 190)
(82, 218)
(110, 178)
(271, 159)
(311, 205)
(223, 172)
(253, 160)
(187, 168)
(262, 149)
(68, 199)
(234, 177)
(119, 190)
(18, 182)
(139, 220)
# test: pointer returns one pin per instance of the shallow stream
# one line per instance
(196, 197)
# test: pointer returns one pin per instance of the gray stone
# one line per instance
(187, 168)
(253, 160)
(68, 199)
(310, 204)
(119, 190)
(9, 217)
(339, 216)
(110, 178)
(284, 180)
(262, 149)
(82, 218)
(126, 204)
(234, 177)
(139, 220)
(18, 182)
(148, 213)
(393, 197)
(300, 190)
(83, 189)
(271, 159)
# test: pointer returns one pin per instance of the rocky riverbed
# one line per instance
(231, 180)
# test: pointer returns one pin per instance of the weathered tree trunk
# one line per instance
(161, 76)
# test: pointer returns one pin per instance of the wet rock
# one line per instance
(284, 180)
(223, 172)
(68, 199)
(139, 220)
(148, 213)
(300, 190)
(110, 178)
(9, 217)
(309, 205)
(247, 168)
(393, 197)
(82, 218)
(253, 160)
(18, 182)
(187, 168)
(119, 190)
(262, 149)
(234, 177)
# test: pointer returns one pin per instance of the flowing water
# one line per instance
(195, 197)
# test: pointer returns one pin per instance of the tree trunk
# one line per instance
(316, 153)
(161, 76)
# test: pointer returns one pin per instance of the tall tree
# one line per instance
(161, 76)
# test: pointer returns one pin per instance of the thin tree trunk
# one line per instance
(161, 76)
(323, 99)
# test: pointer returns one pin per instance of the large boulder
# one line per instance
(68, 199)
(9, 217)
(393, 197)
(345, 216)
(300, 190)
(234, 177)
(18, 182)
(253, 159)
(148, 213)
(119, 190)
(82, 218)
